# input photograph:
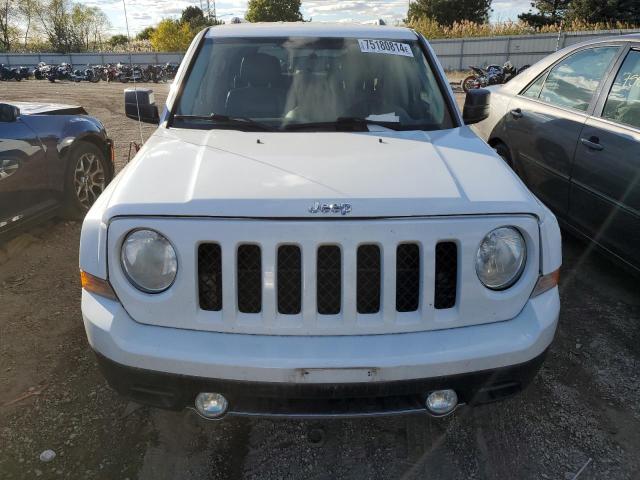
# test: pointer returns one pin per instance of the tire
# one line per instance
(502, 150)
(86, 177)
(468, 83)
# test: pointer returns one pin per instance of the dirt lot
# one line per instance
(584, 405)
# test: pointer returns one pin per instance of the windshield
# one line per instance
(290, 83)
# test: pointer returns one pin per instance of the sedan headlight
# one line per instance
(501, 258)
(149, 261)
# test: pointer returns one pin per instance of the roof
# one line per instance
(311, 29)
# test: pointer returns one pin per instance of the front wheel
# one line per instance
(86, 178)
(469, 83)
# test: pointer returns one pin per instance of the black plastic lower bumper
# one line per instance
(176, 392)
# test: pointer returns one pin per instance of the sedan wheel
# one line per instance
(89, 179)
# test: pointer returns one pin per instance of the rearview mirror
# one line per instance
(139, 104)
(8, 113)
(476, 106)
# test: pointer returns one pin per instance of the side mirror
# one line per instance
(476, 106)
(140, 104)
(8, 113)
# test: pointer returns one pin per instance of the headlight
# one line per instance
(149, 261)
(501, 258)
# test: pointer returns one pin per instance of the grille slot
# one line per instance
(368, 279)
(210, 277)
(407, 277)
(249, 268)
(289, 280)
(329, 280)
(446, 275)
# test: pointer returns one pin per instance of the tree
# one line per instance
(550, 12)
(118, 40)
(273, 11)
(55, 18)
(194, 16)
(446, 12)
(27, 10)
(7, 27)
(171, 36)
(146, 33)
(593, 11)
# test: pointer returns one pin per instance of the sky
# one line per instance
(143, 13)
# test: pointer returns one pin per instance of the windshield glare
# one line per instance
(282, 82)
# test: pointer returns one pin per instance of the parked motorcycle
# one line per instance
(89, 74)
(9, 73)
(64, 71)
(171, 70)
(25, 73)
(156, 73)
(41, 71)
(108, 72)
(133, 73)
(492, 75)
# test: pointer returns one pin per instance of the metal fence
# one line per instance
(32, 59)
(459, 53)
(455, 54)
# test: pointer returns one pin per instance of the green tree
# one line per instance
(171, 36)
(273, 11)
(593, 11)
(194, 16)
(146, 33)
(118, 40)
(549, 12)
(446, 12)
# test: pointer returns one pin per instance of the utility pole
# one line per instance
(211, 16)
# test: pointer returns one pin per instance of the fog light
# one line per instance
(211, 405)
(442, 402)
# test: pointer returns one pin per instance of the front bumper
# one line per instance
(268, 375)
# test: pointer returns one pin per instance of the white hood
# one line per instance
(226, 173)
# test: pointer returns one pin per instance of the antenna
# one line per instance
(133, 76)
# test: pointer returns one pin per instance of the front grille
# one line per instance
(329, 280)
(446, 275)
(210, 277)
(368, 279)
(249, 270)
(367, 293)
(407, 277)
(289, 280)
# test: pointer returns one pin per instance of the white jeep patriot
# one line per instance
(314, 230)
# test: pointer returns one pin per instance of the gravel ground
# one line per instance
(585, 404)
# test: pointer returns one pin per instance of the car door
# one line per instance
(546, 118)
(24, 188)
(605, 183)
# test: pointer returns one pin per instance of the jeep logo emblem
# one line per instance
(341, 208)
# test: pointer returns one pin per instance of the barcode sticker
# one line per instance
(385, 46)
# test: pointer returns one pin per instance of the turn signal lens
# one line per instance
(546, 282)
(97, 285)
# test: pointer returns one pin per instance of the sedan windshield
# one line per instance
(307, 84)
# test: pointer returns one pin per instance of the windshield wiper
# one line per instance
(346, 123)
(226, 120)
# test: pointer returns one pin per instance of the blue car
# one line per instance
(54, 159)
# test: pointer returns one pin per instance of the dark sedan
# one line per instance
(53, 159)
(570, 127)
